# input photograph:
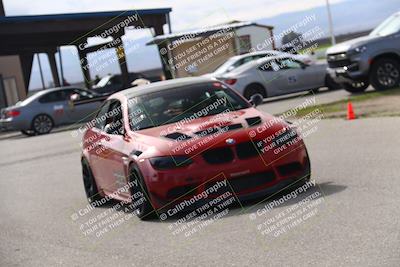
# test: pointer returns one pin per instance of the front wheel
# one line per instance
(385, 74)
(144, 210)
(356, 86)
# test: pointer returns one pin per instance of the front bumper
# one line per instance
(246, 178)
(347, 69)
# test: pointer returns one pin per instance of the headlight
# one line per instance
(170, 162)
(359, 50)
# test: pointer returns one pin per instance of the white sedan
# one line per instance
(237, 61)
(274, 76)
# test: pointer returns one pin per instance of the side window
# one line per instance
(260, 56)
(247, 59)
(55, 96)
(114, 123)
(100, 120)
(289, 64)
(268, 66)
(84, 94)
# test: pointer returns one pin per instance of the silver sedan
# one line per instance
(39, 113)
(274, 76)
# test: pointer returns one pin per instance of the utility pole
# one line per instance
(328, 7)
(2, 12)
(41, 72)
(61, 66)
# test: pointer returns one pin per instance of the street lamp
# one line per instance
(328, 7)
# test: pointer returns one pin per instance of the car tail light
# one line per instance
(12, 113)
(230, 81)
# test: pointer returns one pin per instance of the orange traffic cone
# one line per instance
(350, 111)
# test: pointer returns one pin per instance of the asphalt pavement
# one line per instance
(349, 218)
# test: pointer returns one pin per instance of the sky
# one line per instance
(185, 15)
(348, 16)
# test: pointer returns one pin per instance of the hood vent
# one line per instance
(253, 121)
(136, 153)
(232, 127)
(214, 130)
(177, 136)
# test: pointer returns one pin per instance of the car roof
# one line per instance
(254, 54)
(253, 63)
(162, 85)
(58, 88)
(48, 90)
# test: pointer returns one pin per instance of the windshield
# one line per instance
(183, 103)
(388, 27)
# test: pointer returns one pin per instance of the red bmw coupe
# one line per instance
(157, 143)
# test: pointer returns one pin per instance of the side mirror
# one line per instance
(109, 129)
(256, 99)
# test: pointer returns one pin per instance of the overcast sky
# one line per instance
(194, 14)
(185, 15)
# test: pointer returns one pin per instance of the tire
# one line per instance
(331, 84)
(355, 87)
(145, 211)
(253, 89)
(28, 132)
(385, 74)
(90, 186)
(42, 124)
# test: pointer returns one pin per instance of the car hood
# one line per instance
(193, 137)
(351, 44)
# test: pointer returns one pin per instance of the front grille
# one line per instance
(177, 192)
(339, 63)
(338, 60)
(218, 155)
(290, 168)
(247, 182)
(246, 150)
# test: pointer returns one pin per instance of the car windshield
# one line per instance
(182, 104)
(388, 27)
